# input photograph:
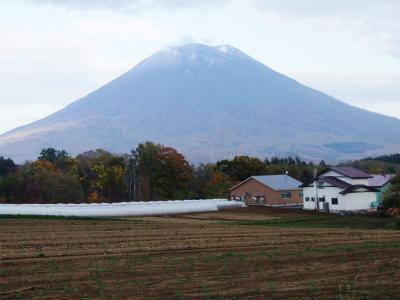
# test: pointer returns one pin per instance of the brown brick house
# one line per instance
(268, 190)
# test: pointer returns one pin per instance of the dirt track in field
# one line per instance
(195, 257)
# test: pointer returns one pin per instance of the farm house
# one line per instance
(268, 190)
(345, 189)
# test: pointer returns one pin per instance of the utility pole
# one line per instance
(134, 175)
(134, 179)
(316, 189)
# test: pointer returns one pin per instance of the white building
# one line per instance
(343, 189)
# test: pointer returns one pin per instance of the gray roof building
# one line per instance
(275, 182)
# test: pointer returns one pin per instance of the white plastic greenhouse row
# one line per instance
(119, 209)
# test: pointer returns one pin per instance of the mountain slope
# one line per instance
(210, 103)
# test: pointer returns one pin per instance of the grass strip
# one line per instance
(324, 221)
(281, 221)
(355, 247)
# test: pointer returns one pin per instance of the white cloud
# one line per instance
(311, 8)
(63, 62)
(372, 23)
(114, 28)
(125, 5)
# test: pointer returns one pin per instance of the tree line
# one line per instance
(151, 171)
(388, 164)
(391, 158)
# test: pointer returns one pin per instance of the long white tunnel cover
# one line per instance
(119, 209)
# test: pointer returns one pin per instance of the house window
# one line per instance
(312, 199)
(301, 195)
(335, 201)
(307, 199)
(259, 199)
(320, 184)
(286, 195)
(322, 199)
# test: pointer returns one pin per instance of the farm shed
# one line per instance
(268, 190)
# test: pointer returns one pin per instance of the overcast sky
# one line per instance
(53, 52)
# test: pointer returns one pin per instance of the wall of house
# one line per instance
(363, 181)
(327, 192)
(352, 201)
(308, 192)
(381, 191)
(358, 201)
(332, 173)
(252, 188)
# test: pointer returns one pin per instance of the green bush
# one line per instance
(391, 198)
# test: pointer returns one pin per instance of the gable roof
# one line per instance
(335, 181)
(275, 182)
(351, 172)
(345, 171)
(379, 180)
(354, 188)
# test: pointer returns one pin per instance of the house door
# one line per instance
(326, 207)
(247, 199)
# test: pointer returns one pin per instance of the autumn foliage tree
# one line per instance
(175, 174)
(160, 172)
(41, 182)
(59, 158)
(101, 175)
(242, 167)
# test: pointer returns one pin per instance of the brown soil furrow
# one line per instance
(187, 258)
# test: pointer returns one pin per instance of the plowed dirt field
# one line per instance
(195, 257)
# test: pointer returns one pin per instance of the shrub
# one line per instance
(391, 198)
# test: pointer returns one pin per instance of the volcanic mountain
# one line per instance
(209, 103)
